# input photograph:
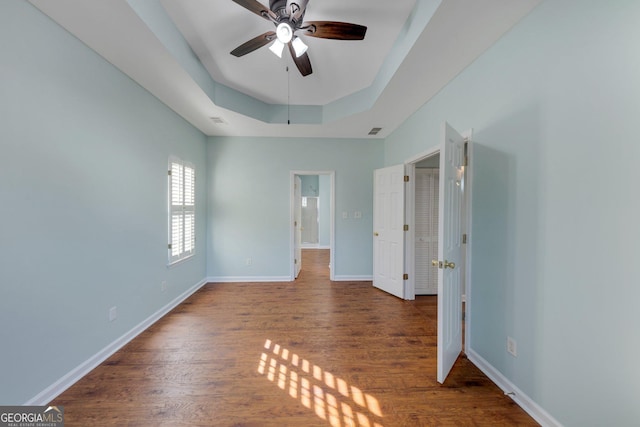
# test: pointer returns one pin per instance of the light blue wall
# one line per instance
(554, 236)
(554, 106)
(249, 206)
(310, 185)
(83, 190)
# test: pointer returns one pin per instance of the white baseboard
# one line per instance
(55, 389)
(510, 389)
(247, 279)
(343, 278)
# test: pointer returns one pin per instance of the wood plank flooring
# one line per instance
(307, 353)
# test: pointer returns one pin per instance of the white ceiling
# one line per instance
(155, 47)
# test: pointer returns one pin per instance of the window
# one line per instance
(182, 212)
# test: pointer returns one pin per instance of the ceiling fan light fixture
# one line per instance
(299, 47)
(277, 47)
(284, 32)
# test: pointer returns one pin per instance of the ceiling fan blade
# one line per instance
(334, 30)
(257, 8)
(302, 62)
(253, 44)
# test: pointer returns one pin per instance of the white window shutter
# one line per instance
(177, 186)
(189, 233)
(181, 210)
(189, 185)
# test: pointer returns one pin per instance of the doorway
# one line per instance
(312, 216)
(415, 208)
(425, 232)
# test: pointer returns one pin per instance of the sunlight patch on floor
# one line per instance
(331, 398)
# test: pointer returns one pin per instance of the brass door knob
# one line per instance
(449, 264)
(434, 262)
(375, 234)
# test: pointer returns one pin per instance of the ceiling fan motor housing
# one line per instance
(289, 10)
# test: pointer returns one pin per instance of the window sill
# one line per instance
(180, 261)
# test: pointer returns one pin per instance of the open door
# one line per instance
(297, 225)
(450, 250)
(388, 230)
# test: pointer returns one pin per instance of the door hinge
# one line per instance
(406, 227)
(169, 172)
(169, 246)
(406, 178)
(295, 261)
(464, 239)
(405, 276)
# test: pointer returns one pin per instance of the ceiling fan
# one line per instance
(287, 16)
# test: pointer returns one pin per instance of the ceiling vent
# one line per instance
(374, 131)
(218, 120)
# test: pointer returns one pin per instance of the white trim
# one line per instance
(316, 247)
(70, 378)
(510, 389)
(468, 176)
(180, 261)
(332, 216)
(247, 279)
(409, 291)
(421, 156)
(345, 278)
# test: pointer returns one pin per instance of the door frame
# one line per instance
(332, 192)
(297, 226)
(410, 206)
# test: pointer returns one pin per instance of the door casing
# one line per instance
(332, 191)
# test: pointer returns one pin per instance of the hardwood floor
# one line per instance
(307, 353)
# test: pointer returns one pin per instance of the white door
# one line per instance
(388, 230)
(450, 251)
(297, 225)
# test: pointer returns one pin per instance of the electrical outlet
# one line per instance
(357, 215)
(249, 261)
(512, 347)
(113, 313)
(345, 215)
